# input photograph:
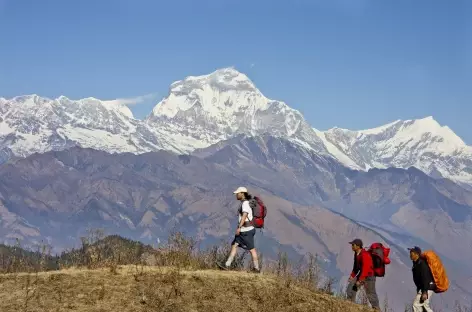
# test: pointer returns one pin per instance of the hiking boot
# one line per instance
(254, 270)
(222, 266)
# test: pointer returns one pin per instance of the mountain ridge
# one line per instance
(406, 201)
(203, 110)
(145, 196)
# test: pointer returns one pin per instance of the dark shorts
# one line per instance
(245, 240)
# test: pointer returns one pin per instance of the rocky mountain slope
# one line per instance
(56, 196)
(203, 110)
(407, 206)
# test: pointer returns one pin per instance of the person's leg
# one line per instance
(417, 306)
(421, 307)
(255, 259)
(232, 255)
(351, 293)
(371, 292)
(248, 238)
(427, 302)
(234, 249)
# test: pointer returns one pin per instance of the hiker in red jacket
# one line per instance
(362, 275)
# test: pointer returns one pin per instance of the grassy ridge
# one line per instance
(109, 273)
(136, 288)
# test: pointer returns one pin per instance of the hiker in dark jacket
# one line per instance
(362, 275)
(423, 279)
(245, 232)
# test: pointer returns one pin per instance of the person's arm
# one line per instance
(245, 208)
(241, 223)
(424, 283)
(354, 273)
(243, 219)
(414, 281)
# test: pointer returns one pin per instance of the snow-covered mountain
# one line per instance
(198, 112)
(421, 143)
(215, 107)
(31, 123)
(207, 109)
(203, 110)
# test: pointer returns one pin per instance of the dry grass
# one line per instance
(110, 273)
(142, 288)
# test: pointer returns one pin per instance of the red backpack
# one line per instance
(380, 259)
(259, 212)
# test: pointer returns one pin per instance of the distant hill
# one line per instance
(107, 250)
(17, 259)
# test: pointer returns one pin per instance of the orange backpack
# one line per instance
(438, 270)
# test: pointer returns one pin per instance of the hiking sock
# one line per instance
(229, 261)
(256, 264)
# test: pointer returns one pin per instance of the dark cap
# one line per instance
(357, 242)
(415, 249)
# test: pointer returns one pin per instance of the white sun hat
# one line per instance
(240, 189)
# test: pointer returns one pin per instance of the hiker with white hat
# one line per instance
(244, 237)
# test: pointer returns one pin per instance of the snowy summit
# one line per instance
(223, 104)
(200, 111)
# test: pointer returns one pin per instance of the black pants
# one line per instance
(245, 240)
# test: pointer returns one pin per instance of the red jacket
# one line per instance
(362, 265)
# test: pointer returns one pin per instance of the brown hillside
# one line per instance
(132, 288)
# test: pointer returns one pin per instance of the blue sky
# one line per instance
(349, 63)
